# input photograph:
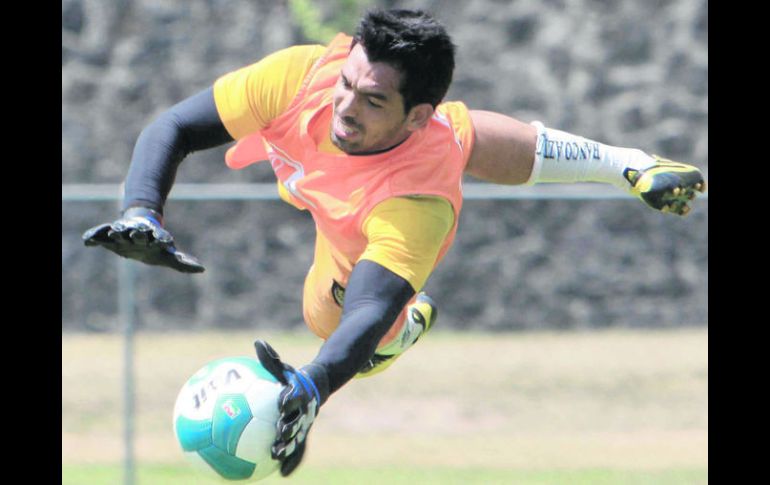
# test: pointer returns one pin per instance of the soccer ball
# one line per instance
(225, 419)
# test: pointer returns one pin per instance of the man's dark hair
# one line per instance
(414, 43)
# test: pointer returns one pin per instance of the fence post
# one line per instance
(127, 311)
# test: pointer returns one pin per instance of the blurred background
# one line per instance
(608, 283)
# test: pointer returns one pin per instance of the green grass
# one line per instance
(612, 407)
(180, 475)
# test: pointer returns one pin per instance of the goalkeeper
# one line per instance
(358, 134)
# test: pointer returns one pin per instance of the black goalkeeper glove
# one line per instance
(139, 235)
(298, 404)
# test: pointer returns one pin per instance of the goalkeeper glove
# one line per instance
(298, 405)
(139, 235)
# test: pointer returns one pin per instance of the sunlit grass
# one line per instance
(598, 407)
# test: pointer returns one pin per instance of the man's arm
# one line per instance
(373, 299)
(405, 236)
(239, 103)
(191, 125)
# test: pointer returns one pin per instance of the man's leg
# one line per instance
(319, 309)
(323, 299)
(324, 291)
(417, 318)
(660, 183)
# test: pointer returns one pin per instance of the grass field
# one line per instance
(609, 407)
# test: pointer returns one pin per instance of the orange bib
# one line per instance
(340, 190)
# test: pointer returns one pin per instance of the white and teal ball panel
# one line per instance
(224, 418)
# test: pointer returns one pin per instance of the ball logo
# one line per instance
(200, 396)
(231, 409)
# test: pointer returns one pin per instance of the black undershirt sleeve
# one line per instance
(373, 299)
(191, 125)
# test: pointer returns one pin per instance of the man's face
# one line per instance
(368, 109)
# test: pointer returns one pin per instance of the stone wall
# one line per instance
(623, 72)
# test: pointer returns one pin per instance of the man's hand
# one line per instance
(139, 235)
(298, 405)
(667, 186)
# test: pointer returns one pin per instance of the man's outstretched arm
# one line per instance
(373, 299)
(191, 125)
(507, 151)
(188, 126)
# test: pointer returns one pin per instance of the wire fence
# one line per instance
(267, 191)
